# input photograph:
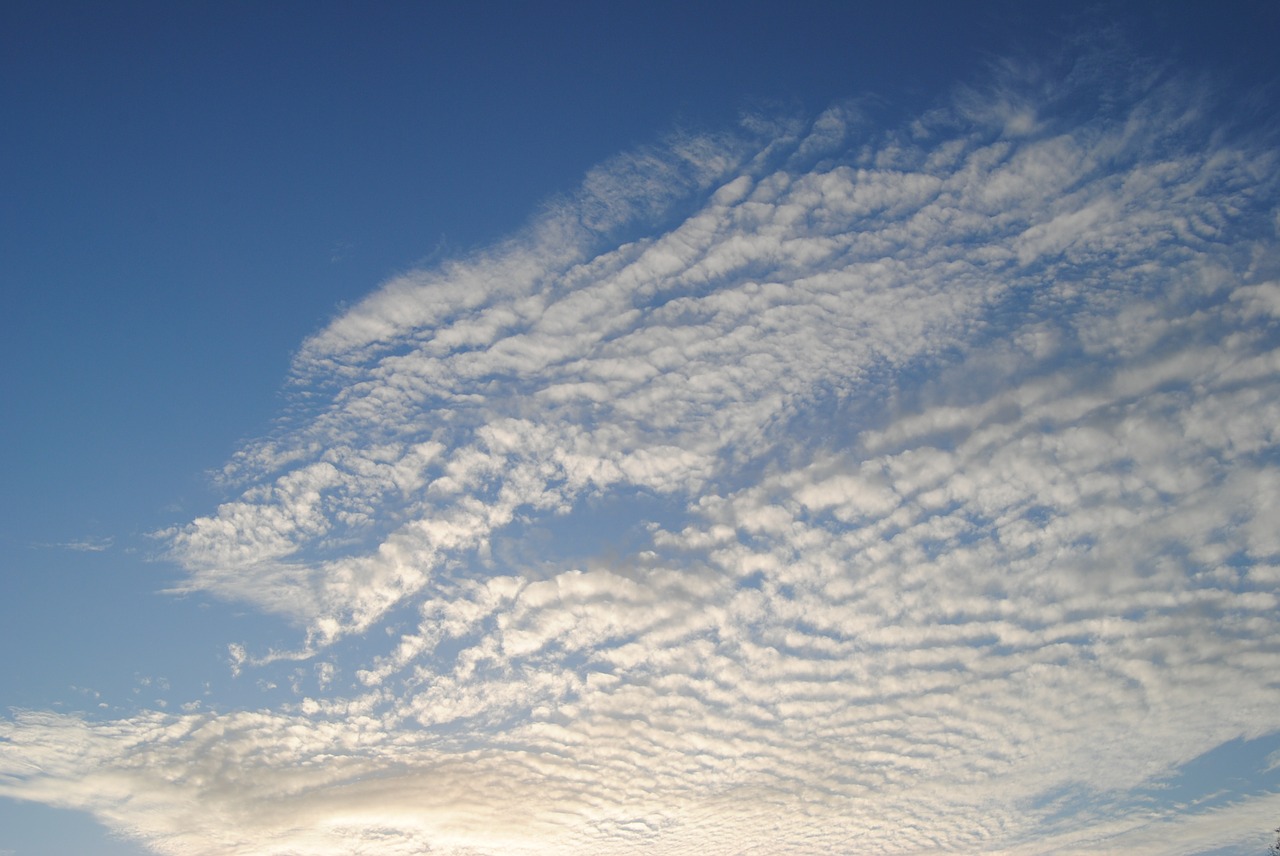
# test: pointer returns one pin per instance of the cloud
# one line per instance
(949, 452)
(533, 374)
(83, 545)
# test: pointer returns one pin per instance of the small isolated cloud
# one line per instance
(912, 490)
(340, 251)
(83, 545)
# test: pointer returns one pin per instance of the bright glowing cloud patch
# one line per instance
(811, 488)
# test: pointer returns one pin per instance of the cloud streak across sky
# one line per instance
(804, 488)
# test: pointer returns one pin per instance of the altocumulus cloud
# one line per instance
(942, 464)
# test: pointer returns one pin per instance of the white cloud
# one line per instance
(656, 363)
(963, 444)
(82, 545)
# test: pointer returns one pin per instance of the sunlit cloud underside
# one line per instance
(807, 488)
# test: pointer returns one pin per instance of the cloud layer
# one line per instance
(813, 488)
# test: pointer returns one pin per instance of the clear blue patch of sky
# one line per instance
(31, 829)
(1226, 774)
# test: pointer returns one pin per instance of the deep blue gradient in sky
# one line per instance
(190, 191)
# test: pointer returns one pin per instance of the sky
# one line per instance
(656, 428)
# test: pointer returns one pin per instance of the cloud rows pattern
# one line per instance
(953, 455)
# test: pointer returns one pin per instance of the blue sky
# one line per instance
(602, 428)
